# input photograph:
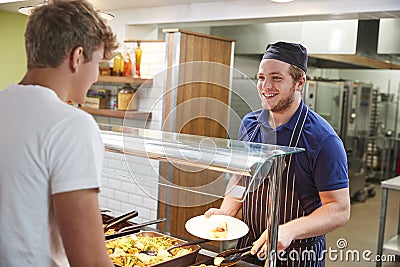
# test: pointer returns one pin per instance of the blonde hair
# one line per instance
(296, 73)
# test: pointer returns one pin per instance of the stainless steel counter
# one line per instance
(392, 246)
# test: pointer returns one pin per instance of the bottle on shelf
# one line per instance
(138, 58)
(126, 98)
(104, 68)
(127, 66)
(118, 68)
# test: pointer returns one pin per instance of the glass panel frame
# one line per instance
(199, 152)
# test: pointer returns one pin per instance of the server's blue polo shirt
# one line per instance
(323, 165)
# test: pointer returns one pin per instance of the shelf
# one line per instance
(144, 41)
(135, 115)
(392, 246)
(122, 80)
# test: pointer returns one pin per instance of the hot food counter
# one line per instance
(195, 255)
(192, 153)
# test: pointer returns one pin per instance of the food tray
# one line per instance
(185, 260)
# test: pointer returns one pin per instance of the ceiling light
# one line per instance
(105, 15)
(26, 10)
(282, 1)
(10, 1)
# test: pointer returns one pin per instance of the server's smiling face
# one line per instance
(276, 86)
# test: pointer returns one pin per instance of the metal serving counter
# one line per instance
(393, 245)
(204, 256)
(226, 156)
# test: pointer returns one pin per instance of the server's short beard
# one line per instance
(285, 103)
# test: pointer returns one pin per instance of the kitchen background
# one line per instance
(332, 31)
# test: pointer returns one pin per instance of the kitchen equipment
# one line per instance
(105, 211)
(133, 229)
(187, 150)
(140, 225)
(232, 256)
(233, 259)
(189, 243)
(185, 260)
(106, 218)
(120, 219)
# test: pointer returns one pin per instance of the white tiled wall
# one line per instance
(130, 183)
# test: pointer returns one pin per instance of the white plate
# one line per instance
(200, 226)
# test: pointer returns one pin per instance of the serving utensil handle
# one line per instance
(140, 225)
(193, 242)
(119, 219)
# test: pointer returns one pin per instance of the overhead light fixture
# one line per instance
(26, 10)
(282, 1)
(105, 15)
(9, 1)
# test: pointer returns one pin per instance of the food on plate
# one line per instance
(202, 265)
(137, 250)
(219, 230)
(218, 260)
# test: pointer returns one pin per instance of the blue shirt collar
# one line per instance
(264, 115)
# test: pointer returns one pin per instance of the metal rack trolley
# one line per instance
(392, 245)
(228, 156)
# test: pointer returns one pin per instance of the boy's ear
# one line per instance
(76, 58)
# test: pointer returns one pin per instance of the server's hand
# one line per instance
(214, 211)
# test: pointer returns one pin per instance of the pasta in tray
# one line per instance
(110, 232)
(130, 251)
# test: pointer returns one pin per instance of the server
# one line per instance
(314, 196)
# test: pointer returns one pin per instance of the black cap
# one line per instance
(292, 53)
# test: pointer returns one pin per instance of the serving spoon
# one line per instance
(231, 256)
(189, 243)
(123, 217)
(133, 229)
(140, 225)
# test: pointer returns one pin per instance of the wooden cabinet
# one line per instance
(196, 102)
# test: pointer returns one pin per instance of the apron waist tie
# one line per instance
(308, 242)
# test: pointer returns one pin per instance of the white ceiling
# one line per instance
(306, 4)
(197, 13)
(110, 5)
(231, 12)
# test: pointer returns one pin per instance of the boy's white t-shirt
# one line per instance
(46, 147)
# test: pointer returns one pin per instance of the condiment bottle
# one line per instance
(138, 58)
(126, 101)
(118, 69)
(127, 66)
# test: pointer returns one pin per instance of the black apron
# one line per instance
(304, 252)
